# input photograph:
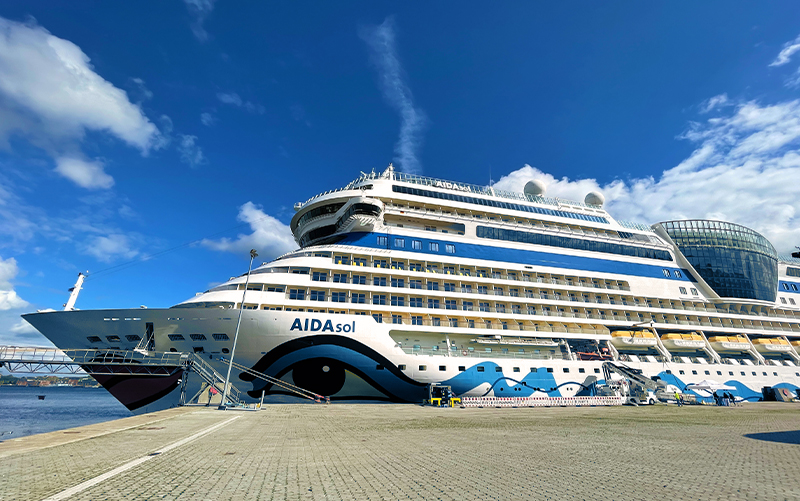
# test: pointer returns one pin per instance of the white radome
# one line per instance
(535, 188)
(594, 198)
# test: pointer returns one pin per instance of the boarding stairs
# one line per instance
(212, 379)
(635, 376)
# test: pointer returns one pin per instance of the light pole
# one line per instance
(222, 405)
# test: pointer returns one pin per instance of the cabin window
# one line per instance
(416, 244)
(433, 246)
(402, 367)
(442, 368)
(479, 368)
(450, 248)
(400, 243)
(383, 241)
(423, 367)
(220, 337)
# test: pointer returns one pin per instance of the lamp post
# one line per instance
(222, 404)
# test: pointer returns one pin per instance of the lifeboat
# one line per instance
(727, 344)
(796, 344)
(628, 340)
(677, 341)
(772, 345)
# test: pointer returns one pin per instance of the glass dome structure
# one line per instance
(735, 261)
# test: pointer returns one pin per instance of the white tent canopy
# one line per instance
(710, 386)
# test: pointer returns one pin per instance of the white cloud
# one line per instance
(743, 170)
(108, 248)
(381, 41)
(230, 98)
(207, 119)
(199, 9)
(9, 300)
(83, 173)
(51, 95)
(235, 99)
(190, 152)
(23, 327)
(785, 55)
(141, 89)
(269, 236)
(714, 102)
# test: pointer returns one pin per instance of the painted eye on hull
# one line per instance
(322, 376)
(336, 367)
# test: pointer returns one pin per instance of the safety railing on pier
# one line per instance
(541, 401)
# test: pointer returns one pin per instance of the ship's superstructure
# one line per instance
(402, 281)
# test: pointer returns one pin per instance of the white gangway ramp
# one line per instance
(541, 401)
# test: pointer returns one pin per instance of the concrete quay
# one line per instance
(379, 452)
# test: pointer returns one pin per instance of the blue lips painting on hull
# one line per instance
(741, 389)
(486, 373)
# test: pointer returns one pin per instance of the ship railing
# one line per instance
(544, 352)
(487, 191)
(509, 326)
(92, 356)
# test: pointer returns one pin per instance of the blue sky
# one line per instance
(154, 143)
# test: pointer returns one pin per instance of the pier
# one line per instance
(348, 451)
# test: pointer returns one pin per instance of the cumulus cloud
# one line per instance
(381, 41)
(107, 248)
(9, 299)
(235, 99)
(51, 95)
(190, 152)
(269, 236)
(742, 170)
(199, 10)
(84, 173)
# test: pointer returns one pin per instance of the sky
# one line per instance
(154, 143)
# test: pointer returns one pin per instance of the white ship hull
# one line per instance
(348, 357)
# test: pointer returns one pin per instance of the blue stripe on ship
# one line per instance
(519, 256)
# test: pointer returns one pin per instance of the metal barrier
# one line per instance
(541, 401)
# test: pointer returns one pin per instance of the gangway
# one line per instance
(36, 360)
(301, 392)
(212, 378)
(642, 388)
(633, 375)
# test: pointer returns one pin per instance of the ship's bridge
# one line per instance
(735, 261)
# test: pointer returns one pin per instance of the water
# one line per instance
(22, 413)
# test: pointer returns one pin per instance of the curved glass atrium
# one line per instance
(735, 261)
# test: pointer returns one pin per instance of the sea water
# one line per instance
(22, 413)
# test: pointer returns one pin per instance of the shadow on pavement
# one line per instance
(783, 437)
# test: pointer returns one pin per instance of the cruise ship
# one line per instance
(402, 281)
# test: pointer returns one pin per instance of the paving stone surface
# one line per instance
(378, 452)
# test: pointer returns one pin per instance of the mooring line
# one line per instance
(136, 462)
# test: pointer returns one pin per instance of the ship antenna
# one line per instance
(73, 293)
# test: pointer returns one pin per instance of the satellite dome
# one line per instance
(594, 198)
(535, 188)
